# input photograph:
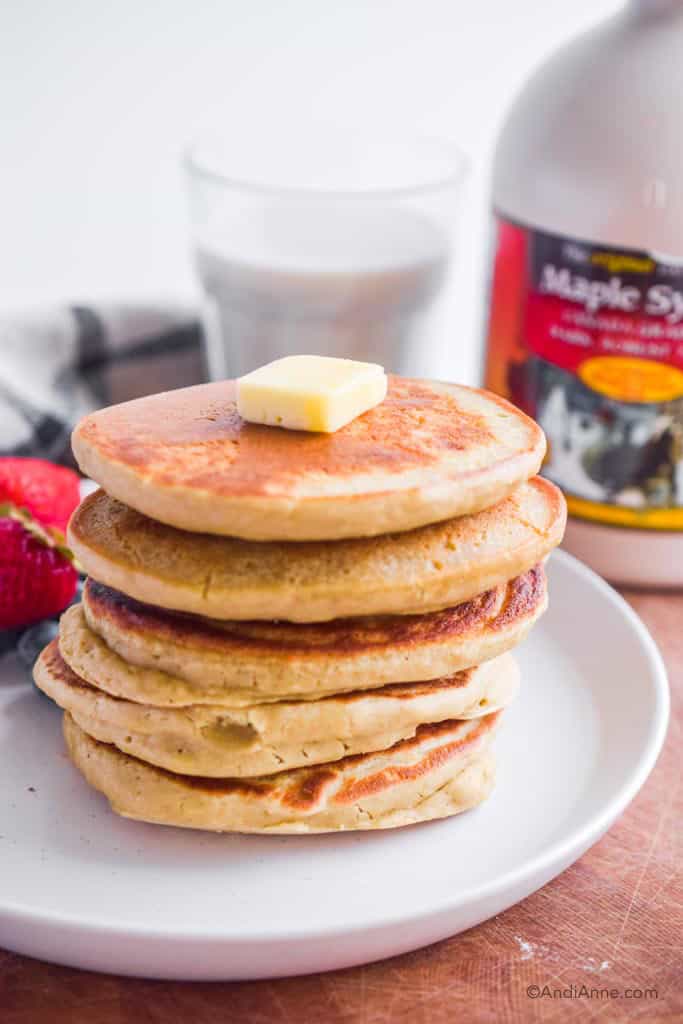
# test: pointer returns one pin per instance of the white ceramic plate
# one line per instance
(80, 886)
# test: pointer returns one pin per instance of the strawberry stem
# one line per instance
(50, 536)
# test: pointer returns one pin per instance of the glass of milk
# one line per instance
(326, 243)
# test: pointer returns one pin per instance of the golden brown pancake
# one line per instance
(442, 770)
(430, 451)
(171, 660)
(268, 738)
(402, 573)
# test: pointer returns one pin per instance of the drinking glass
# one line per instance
(326, 242)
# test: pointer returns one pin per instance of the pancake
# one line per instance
(423, 570)
(267, 738)
(442, 770)
(154, 657)
(430, 451)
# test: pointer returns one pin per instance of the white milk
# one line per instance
(321, 276)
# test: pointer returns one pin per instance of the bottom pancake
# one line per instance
(265, 739)
(444, 769)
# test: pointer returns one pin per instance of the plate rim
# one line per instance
(549, 862)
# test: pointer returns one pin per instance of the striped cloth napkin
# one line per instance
(58, 363)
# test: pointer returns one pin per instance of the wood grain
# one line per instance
(614, 920)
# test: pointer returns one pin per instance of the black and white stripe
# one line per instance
(57, 364)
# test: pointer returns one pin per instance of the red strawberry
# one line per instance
(37, 578)
(49, 492)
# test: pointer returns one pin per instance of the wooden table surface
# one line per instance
(612, 921)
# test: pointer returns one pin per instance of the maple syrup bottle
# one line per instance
(585, 327)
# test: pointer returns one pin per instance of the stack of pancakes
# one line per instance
(292, 632)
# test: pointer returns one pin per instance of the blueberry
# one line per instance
(9, 639)
(79, 591)
(34, 639)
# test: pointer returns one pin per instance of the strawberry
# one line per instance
(49, 492)
(37, 576)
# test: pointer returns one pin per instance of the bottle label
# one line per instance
(588, 339)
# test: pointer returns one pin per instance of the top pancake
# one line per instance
(430, 451)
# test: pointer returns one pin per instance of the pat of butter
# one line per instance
(315, 393)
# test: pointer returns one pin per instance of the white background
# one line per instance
(98, 99)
